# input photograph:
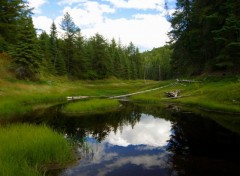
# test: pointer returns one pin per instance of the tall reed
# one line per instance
(28, 150)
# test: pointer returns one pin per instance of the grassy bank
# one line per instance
(30, 150)
(19, 97)
(217, 95)
(92, 106)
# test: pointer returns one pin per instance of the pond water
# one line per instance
(144, 140)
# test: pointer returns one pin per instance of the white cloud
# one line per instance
(36, 4)
(149, 131)
(138, 4)
(145, 31)
(70, 2)
(89, 13)
(42, 22)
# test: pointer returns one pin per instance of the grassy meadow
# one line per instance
(20, 97)
(31, 150)
(218, 95)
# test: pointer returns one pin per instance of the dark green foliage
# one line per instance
(71, 55)
(47, 65)
(25, 52)
(18, 38)
(205, 36)
(79, 61)
(10, 11)
(100, 55)
(71, 30)
(156, 64)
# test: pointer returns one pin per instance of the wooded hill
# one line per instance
(157, 63)
(70, 54)
(205, 37)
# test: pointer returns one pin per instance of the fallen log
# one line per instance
(173, 94)
(77, 97)
(187, 81)
(135, 93)
(175, 97)
(118, 96)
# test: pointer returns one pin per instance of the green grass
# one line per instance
(92, 106)
(222, 95)
(29, 150)
(27, 96)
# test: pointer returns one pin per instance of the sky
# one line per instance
(142, 22)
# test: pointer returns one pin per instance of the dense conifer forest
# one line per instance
(205, 37)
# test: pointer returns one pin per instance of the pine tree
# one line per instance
(131, 55)
(10, 11)
(44, 44)
(206, 36)
(227, 37)
(54, 50)
(71, 30)
(25, 53)
(114, 62)
(79, 59)
(60, 65)
(100, 55)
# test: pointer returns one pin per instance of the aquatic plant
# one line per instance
(92, 106)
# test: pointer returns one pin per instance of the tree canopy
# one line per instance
(205, 36)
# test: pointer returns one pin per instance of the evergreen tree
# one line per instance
(132, 56)
(90, 72)
(54, 49)
(156, 64)
(79, 59)
(60, 65)
(10, 11)
(139, 65)
(71, 30)
(114, 60)
(45, 53)
(25, 53)
(100, 56)
(227, 37)
(205, 36)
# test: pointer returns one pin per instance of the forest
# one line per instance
(70, 55)
(205, 38)
(72, 104)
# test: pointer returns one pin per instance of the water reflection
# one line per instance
(149, 131)
(147, 140)
(127, 150)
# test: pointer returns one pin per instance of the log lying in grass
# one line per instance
(173, 94)
(118, 96)
(187, 81)
(135, 93)
(77, 97)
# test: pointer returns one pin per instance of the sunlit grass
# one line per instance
(19, 97)
(92, 106)
(28, 150)
(222, 95)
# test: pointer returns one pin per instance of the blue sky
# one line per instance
(142, 22)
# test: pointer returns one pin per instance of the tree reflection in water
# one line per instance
(149, 140)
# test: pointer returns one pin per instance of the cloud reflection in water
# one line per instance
(129, 150)
(149, 131)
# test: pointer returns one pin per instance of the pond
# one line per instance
(146, 140)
